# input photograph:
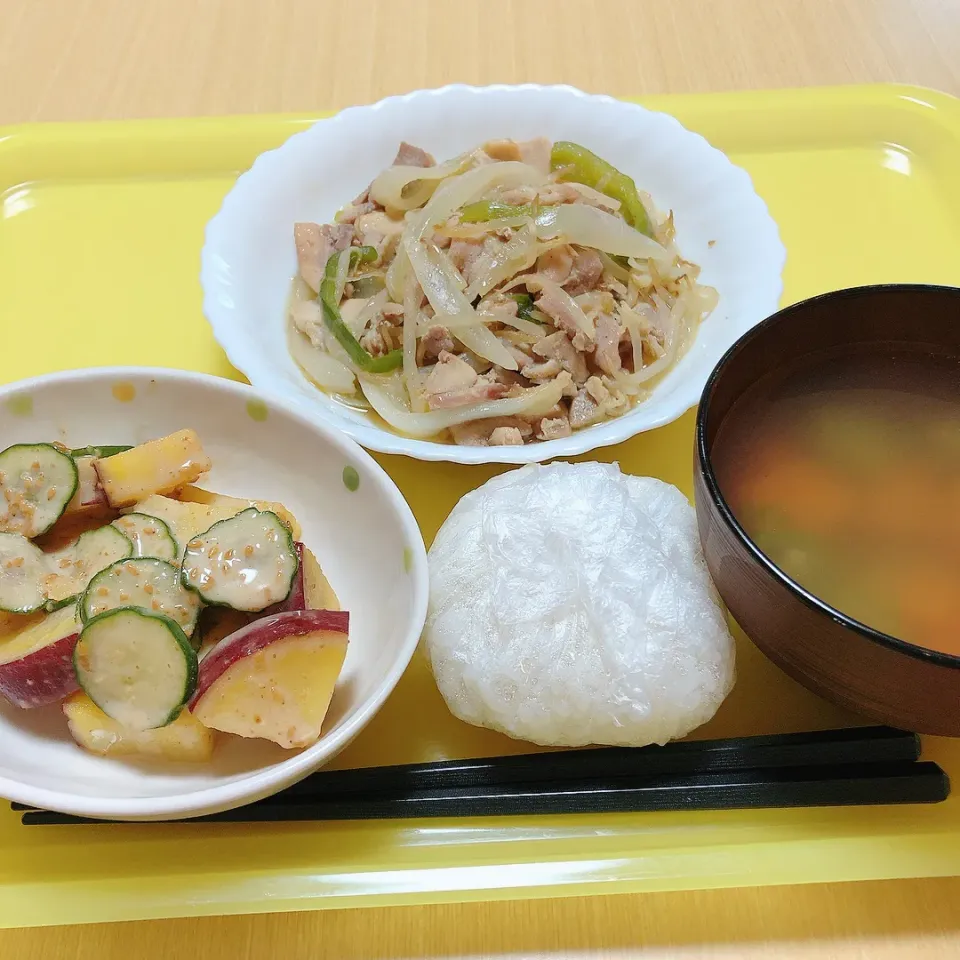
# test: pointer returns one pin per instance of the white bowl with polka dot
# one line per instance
(353, 518)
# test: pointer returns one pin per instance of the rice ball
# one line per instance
(570, 604)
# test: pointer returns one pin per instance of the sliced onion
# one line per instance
(677, 334)
(460, 190)
(590, 227)
(372, 308)
(406, 188)
(595, 197)
(535, 402)
(440, 286)
(398, 273)
(614, 269)
(411, 372)
(541, 282)
(502, 262)
(472, 231)
(452, 307)
(326, 372)
(445, 266)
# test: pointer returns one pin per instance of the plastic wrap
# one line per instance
(571, 605)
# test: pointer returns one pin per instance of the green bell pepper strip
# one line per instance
(484, 210)
(331, 315)
(524, 306)
(582, 166)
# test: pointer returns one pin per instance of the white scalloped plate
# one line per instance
(248, 259)
(364, 535)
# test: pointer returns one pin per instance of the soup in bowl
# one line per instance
(828, 494)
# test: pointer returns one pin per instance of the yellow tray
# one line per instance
(100, 237)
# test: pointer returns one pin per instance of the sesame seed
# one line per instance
(150, 531)
(248, 550)
(132, 569)
(103, 592)
(35, 465)
(148, 589)
(212, 552)
(124, 597)
(64, 563)
(51, 493)
(230, 554)
(194, 573)
(195, 544)
(155, 604)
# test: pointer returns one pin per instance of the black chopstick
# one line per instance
(862, 784)
(855, 745)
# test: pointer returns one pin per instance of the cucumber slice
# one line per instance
(146, 583)
(137, 667)
(98, 452)
(23, 567)
(74, 566)
(247, 562)
(150, 536)
(37, 481)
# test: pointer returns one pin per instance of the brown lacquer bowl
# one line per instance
(867, 671)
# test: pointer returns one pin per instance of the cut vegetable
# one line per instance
(98, 453)
(158, 466)
(72, 567)
(247, 562)
(311, 590)
(137, 667)
(185, 739)
(274, 679)
(146, 583)
(215, 624)
(150, 536)
(89, 499)
(22, 570)
(226, 506)
(37, 481)
(36, 658)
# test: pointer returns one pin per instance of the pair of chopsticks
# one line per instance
(857, 766)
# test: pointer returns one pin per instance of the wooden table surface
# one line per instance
(94, 59)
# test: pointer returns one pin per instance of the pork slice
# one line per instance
(558, 347)
(556, 263)
(586, 273)
(476, 433)
(502, 149)
(562, 316)
(315, 243)
(410, 156)
(307, 317)
(450, 373)
(355, 210)
(518, 196)
(480, 392)
(541, 372)
(554, 193)
(607, 352)
(435, 341)
(554, 428)
(583, 410)
(464, 253)
(536, 153)
(506, 437)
